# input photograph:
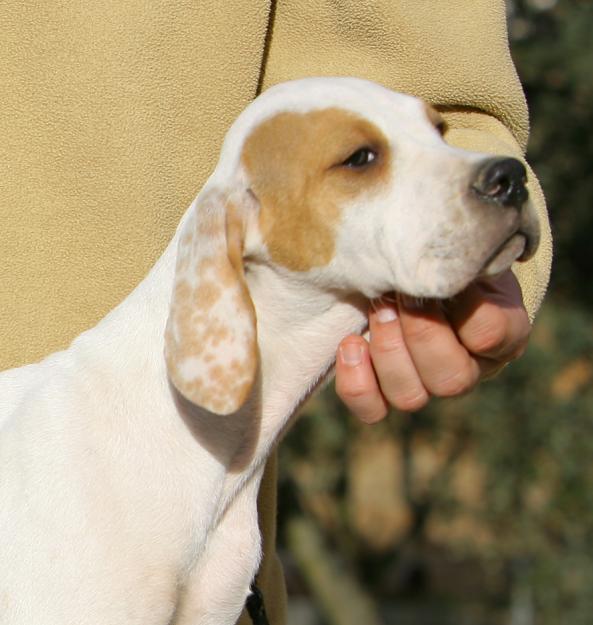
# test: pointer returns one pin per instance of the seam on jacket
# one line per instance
(267, 45)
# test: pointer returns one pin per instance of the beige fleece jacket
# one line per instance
(112, 114)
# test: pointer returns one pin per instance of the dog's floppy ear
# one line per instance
(211, 334)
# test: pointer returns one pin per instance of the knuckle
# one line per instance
(458, 383)
(355, 391)
(411, 402)
(421, 332)
(500, 333)
(489, 336)
(351, 392)
(362, 401)
(373, 416)
(391, 345)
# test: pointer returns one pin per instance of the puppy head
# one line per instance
(357, 186)
(350, 186)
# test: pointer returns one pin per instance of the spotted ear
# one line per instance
(211, 335)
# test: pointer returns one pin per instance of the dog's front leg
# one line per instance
(217, 587)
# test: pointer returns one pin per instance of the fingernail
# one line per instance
(351, 354)
(385, 313)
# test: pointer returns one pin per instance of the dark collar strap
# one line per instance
(255, 606)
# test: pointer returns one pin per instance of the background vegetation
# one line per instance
(479, 510)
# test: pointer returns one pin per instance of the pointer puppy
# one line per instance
(130, 463)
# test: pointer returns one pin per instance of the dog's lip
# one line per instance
(516, 247)
(520, 246)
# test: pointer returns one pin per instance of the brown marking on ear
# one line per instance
(435, 118)
(210, 293)
(295, 165)
(212, 318)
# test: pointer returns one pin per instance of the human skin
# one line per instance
(416, 352)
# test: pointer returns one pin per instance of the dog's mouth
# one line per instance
(520, 246)
(505, 255)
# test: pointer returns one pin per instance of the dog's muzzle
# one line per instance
(502, 184)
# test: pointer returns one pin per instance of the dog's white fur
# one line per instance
(121, 500)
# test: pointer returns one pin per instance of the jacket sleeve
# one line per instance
(454, 54)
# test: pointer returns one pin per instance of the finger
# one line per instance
(490, 319)
(356, 383)
(444, 365)
(490, 368)
(398, 379)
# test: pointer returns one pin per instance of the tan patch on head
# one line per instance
(295, 166)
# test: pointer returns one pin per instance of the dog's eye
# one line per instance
(360, 158)
(441, 126)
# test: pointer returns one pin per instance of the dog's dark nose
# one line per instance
(502, 181)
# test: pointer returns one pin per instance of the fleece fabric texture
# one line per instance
(112, 114)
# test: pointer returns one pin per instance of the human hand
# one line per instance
(440, 349)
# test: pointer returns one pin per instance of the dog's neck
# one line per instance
(299, 328)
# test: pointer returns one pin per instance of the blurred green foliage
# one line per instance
(489, 514)
(553, 51)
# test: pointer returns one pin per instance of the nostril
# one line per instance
(502, 181)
